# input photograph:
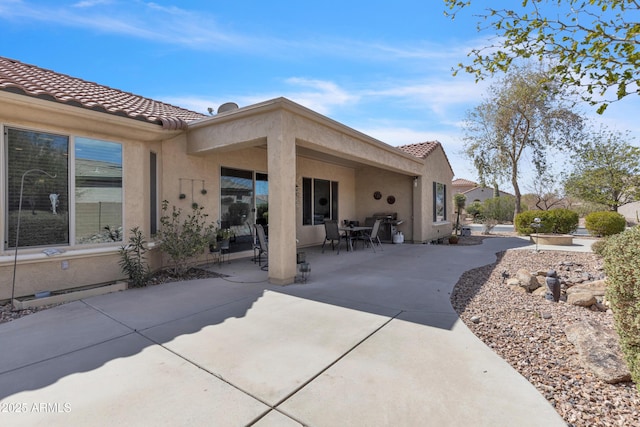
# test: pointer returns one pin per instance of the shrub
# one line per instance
(184, 239)
(474, 209)
(557, 221)
(622, 265)
(500, 208)
(605, 223)
(562, 221)
(598, 247)
(132, 259)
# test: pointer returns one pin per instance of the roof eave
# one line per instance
(21, 108)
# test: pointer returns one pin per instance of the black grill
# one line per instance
(388, 226)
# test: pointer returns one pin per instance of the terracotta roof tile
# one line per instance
(461, 182)
(424, 150)
(30, 80)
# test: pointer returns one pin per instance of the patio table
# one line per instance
(352, 232)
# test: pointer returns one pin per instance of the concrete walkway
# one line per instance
(370, 340)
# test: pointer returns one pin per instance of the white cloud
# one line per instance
(91, 3)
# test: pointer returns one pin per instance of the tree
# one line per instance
(593, 44)
(545, 194)
(459, 201)
(606, 171)
(521, 118)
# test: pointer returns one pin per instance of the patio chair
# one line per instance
(263, 247)
(371, 237)
(332, 234)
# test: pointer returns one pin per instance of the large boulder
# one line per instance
(598, 351)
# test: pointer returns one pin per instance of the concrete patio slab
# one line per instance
(50, 333)
(279, 344)
(127, 381)
(370, 339)
(146, 307)
(400, 377)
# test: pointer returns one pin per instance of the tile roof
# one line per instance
(424, 150)
(461, 182)
(21, 78)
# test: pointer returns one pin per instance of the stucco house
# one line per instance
(473, 191)
(91, 162)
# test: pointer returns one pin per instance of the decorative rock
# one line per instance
(598, 351)
(475, 319)
(539, 292)
(513, 282)
(527, 280)
(583, 299)
(596, 288)
(518, 288)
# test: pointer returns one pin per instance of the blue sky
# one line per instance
(383, 68)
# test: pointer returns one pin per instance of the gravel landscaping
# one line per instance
(528, 332)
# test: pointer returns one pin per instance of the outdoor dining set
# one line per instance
(352, 233)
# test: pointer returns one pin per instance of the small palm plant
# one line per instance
(459, 201)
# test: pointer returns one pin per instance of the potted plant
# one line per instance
(453, 239)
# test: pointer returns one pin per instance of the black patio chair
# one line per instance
(332, 234)
(263, 247)
(371, 237)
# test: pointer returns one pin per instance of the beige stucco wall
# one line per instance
(436, 169)
(370, 180)
(77, 265)
(308, 235)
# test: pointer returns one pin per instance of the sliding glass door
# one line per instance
(244, 201)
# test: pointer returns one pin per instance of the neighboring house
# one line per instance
(460, 185)
(93, 162)
(474, 192)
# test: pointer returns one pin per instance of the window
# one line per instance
(98, 191)
(50, 213)
(319, 201)
(153, 193)
(439, 202)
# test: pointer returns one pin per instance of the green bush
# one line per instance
(556, 221)
(474, 209)
(622, 265)
(598, 247)
(500, 209)
(605, 223)
(133, 261)
(183, 239)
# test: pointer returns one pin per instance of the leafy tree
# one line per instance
(606, 171)
(521, 119)
(593, 44)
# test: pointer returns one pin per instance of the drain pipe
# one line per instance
(15, 257)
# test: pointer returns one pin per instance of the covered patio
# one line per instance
(297, 147)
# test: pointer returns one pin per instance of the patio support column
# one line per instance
(281, 163)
